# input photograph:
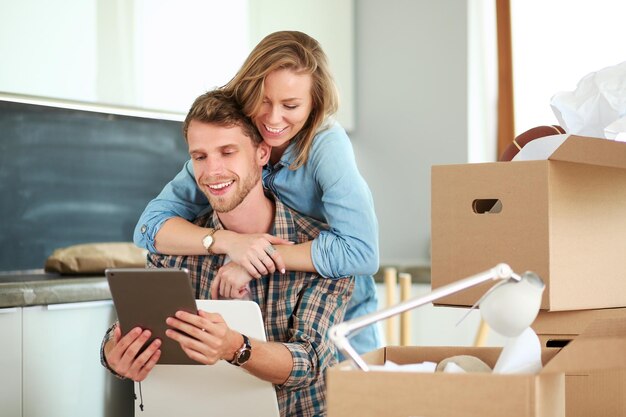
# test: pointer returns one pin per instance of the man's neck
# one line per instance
(255, 214)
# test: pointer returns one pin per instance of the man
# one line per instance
(298, 308)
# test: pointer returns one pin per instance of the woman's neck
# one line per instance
(277, 152)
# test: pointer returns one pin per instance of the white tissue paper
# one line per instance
(597, 107)
(540, 149)
(521, 354)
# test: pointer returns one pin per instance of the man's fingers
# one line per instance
(142, 360)
(215, 288)
(143, 373)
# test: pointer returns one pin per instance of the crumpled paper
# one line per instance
(597, 107)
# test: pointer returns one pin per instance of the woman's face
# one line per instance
(286, 107)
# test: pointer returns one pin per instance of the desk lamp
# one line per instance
(509, 307)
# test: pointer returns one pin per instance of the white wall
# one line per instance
(411, 112)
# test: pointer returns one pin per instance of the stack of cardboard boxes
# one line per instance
(563, 218)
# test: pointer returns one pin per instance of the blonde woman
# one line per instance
(286, 88)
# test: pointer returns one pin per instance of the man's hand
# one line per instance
(205, 338)
(231, 281)
(121, 353)
(251, 251)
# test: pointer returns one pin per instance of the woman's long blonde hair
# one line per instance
(295, 51)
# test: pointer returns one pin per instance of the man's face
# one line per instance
(226, 164)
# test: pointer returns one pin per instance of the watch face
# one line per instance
(243, 357)
(207, 242)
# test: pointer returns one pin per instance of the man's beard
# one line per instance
(224, 204)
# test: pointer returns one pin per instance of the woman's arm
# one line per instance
(165, 227)
(350, 246)
(180, 199)
(330, 188)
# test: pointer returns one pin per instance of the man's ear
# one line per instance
(263, 153)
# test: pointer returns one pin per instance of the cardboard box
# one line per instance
(563, 218)
(402, 394)
(586, 378)
(595, 370)
(556, 328)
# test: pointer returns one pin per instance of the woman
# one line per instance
(286, 88)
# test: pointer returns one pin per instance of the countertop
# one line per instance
(36, 287)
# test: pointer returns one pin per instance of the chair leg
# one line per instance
(481, 334)
(405, 318)
(391, 282)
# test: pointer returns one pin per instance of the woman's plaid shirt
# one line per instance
(298, 308)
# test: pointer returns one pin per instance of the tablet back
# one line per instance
(146, 297)
(222, 389)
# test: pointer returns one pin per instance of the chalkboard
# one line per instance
(71, 176)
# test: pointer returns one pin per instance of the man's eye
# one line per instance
(199, 158)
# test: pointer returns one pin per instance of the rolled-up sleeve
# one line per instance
(350, 246)
(179, 198)
(322, 305)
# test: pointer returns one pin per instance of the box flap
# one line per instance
(593, 151)
(572, 322)
(601, 346)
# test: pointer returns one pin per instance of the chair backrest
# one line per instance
(218, 390)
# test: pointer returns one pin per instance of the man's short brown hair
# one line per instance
(216, 107)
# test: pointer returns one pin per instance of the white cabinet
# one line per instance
(61, 371)
(11, 361)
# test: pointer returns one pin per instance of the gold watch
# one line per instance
(208, 241)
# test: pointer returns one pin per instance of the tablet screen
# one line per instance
(146, 297)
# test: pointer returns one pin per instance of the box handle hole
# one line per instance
(487, 206)
(557, 343)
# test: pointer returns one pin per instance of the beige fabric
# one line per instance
(466, 362)
(94, 258)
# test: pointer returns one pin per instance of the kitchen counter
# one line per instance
(36, 287)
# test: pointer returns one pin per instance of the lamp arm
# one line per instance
(339, 333)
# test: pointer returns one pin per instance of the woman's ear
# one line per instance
(263, 153)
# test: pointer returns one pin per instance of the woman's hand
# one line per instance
(254, 252)
(121, 353)
(205, 337)
(231, 281)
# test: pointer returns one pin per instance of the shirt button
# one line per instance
(144, 228)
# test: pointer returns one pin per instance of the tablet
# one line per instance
(146, 297)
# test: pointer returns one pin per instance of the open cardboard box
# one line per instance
(402, 394)
(563, 218)
(593, 362)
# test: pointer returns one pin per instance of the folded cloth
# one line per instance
(94, 258)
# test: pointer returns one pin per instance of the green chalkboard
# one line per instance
(70, 176)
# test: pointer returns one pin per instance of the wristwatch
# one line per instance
(208, 241)
(243, 353)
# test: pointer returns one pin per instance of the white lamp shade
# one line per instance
(512, 306)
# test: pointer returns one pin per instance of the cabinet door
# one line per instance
(11, 361)
(62, 373)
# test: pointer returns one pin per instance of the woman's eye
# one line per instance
(290, 106)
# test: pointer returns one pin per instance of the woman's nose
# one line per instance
(274, 114)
